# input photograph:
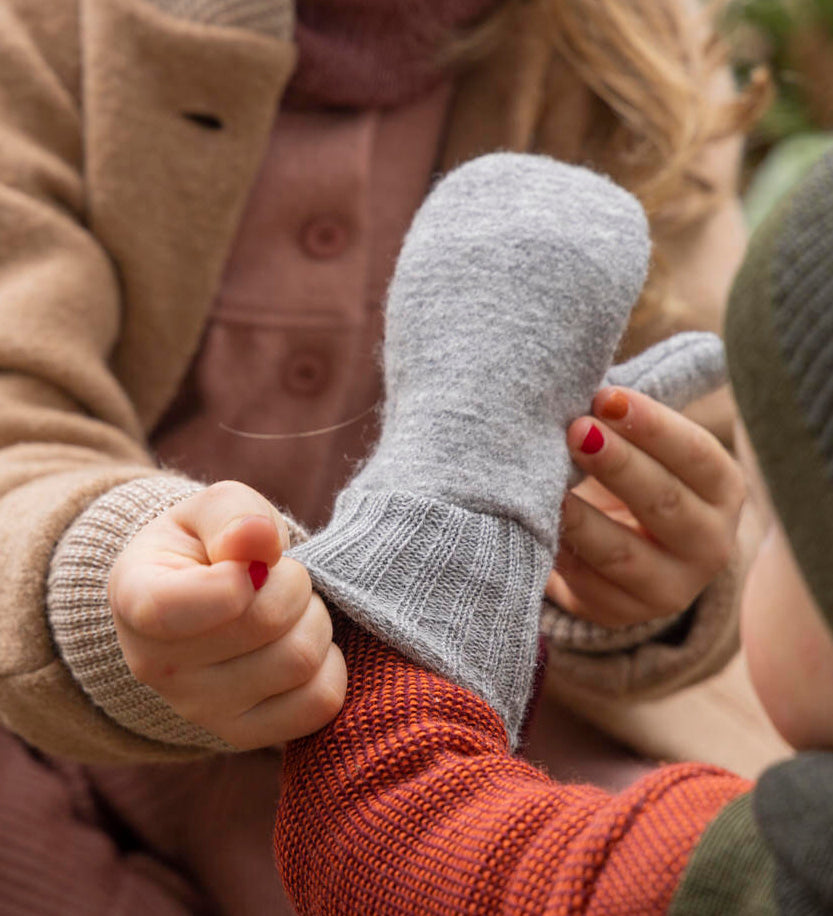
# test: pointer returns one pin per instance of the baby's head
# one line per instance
(779, 339)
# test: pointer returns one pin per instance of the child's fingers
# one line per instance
(629, 562)
(675, 516)
(690, 452)
(299, 712)
(233, 522)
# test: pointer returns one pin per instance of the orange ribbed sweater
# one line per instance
(411, 803)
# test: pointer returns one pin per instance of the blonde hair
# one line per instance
(652, 64)
(651, 68)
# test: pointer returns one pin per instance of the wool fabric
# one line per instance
(512, 290)
(411, 803)
(779, 337)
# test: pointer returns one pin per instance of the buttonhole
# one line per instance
(208, 121)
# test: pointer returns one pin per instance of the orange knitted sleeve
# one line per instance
(411, 803)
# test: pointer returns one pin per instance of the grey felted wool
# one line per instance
(512, 290)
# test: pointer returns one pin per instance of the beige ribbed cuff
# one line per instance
(274, 18)
(81, 620)
(567, 633)
(599, 663)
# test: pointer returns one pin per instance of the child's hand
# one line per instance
(246, 655)
(656, 518)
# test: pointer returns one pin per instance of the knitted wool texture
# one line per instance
(779, 338)
(512, 290)
(410, 802)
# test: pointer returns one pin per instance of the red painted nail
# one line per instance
(258, 571)
(615, 406)
(593, 441)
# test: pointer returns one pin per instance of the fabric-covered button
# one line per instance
(306, 373)
(324, 237)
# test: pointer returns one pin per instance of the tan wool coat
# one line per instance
(130, 135)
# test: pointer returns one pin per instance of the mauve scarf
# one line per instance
(374, 53)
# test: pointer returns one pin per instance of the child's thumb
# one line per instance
(234, 522)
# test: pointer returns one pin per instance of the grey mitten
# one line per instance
(512, 290)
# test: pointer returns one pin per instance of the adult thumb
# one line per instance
(235, 522)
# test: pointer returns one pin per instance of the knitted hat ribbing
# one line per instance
(779, 341)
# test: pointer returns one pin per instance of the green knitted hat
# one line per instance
(779, 341)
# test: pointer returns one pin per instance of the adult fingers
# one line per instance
(581, 591)
(299, 712)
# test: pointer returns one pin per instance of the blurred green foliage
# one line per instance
(793, 39)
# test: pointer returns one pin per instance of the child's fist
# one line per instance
(244, 654)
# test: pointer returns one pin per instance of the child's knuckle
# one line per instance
(735, 490)
(222, 490)
(701, 449)
(144, 613)
(330, 689)
(721, 550)
(232, 600)
(268, 620)
(619, 560)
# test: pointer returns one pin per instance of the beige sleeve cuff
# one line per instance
(82, 623)
(273, 18)
(632, 663)
(590, 665)
(567, 633)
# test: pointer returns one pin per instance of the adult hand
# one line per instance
(227, 631)
(654, 521)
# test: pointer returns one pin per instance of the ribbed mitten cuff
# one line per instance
(274, 18)
(81, 619)
(456, 590)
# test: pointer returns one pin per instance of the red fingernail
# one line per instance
(593, 441)
(258, 571)
(615, 406)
